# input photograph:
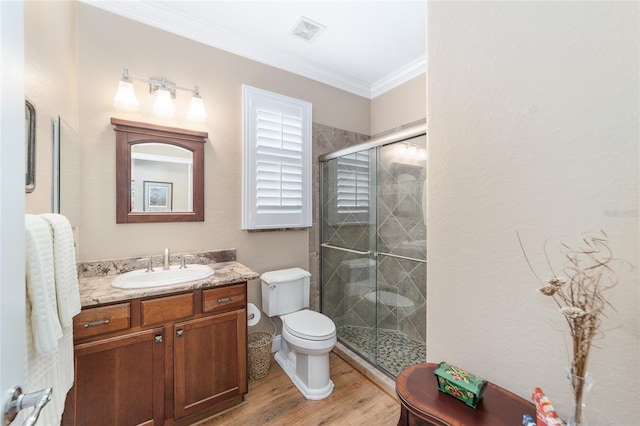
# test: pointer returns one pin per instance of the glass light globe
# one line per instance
(125, 96)
(164, 104)
(196, 109)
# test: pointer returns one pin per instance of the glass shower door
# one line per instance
(401, 255)
(348, 249)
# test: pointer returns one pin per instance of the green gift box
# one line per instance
(460, 384)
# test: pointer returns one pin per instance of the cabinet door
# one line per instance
(210, 361)
(120, 380)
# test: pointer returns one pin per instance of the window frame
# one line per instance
(254, 215)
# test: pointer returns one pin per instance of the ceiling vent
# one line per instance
(307, 29)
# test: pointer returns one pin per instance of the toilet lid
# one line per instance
(309, 325)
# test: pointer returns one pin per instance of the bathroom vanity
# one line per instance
(160, 356)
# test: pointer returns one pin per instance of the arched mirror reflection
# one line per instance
(161, 178)
(159, 173)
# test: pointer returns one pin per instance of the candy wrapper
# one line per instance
(527, 420)
(545, 414)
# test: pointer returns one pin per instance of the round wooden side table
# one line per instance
(423, 404)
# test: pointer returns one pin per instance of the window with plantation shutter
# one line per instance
(276, 161)
(351, 182)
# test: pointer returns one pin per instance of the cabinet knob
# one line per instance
(180, 333)
(158, 339)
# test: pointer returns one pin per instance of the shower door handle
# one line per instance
(397, 256)
(345, 249)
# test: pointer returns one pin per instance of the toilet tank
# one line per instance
(285, 291)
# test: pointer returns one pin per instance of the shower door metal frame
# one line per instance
(408, 133)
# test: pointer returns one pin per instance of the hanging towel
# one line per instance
(53, 370)
(41, 292)
(52, 293)
(66, 275)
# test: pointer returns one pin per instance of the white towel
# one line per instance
(66, 275)
(53, 299)
(40, 281)
(51, 370)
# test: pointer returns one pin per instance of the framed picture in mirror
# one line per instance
(158, 196)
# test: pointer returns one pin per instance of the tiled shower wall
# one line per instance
(325, 139)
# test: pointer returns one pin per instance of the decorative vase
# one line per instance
(580, 387)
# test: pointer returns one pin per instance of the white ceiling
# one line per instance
(367, 47)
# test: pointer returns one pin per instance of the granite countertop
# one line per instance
(98, 290)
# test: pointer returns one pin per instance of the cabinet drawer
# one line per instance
(165, 309)
(223, 298)
(102, 319)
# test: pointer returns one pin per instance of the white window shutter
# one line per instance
(353, 183)
(352, 186)
(276, 161)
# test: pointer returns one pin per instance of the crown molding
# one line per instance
(165, 18)
(399, 76)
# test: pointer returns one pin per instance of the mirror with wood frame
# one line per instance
(159, 173)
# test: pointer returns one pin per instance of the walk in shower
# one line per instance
(373, 248)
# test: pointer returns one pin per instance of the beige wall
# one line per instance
(50, 84)
(404, 104)
(107, 43)
(533, 126)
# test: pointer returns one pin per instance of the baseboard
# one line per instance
(275, 345)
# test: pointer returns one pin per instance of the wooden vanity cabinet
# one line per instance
(170, 360)
(209, 364)
(107, 392)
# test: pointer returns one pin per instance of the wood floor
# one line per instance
(274, 400)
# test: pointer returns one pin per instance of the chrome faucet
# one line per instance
(149, 263)
(183, 263)
(166, 264)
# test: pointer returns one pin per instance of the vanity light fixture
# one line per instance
(196, 109)
(163, 105)
(125, 97)
(164, 90)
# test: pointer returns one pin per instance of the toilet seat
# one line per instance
(309, 325)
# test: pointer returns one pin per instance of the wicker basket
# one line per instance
(259, 354)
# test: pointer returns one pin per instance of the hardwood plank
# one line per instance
(274, 400)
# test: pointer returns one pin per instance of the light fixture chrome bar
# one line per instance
(408, 133)
(162, 82)
(345, 249)
(401, 257)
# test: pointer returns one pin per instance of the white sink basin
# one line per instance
(160, 277)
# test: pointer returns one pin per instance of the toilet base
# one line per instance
(283, 359)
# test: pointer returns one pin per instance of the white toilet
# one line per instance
(307, 336)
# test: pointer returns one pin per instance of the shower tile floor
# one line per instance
(396, 351)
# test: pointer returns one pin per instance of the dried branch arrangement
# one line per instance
(579, 292)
